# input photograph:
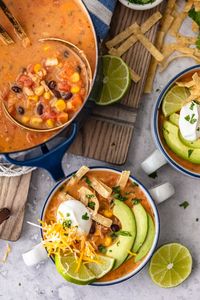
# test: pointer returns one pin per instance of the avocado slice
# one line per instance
(174, 119)
(124, 243)
(141, 225)
(149, 240)
(172, 138)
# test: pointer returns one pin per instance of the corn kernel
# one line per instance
(37, 68)
(34, 98)
(107, 241)
(60, 105)
(75, 89)
(36, 121)
(47, 96)
(25, 119)
(107, 213)
(39, 91)
(75, 77)
(50, 123)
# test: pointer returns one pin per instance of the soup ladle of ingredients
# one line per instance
(49, 105)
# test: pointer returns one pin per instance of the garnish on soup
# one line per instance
(95, 226)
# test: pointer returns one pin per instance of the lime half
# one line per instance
(67, 267)
(99, 270)
(116, 80)
(170, 265)
(174, 100)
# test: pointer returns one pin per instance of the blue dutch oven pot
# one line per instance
(49, 155)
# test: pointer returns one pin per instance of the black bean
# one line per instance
(67, 95)
(78, 69)
(52, 84)
(20, 110)
(16, 89)
(40, 109)
(115, 227)
(93, 228)
(66, 54)
(57, 94)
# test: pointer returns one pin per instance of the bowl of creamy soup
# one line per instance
(100, 226)
(176, 125)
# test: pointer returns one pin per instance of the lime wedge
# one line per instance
(67, 266)
(174, 100)
(99, 270)
(170, 265)
(116, 80)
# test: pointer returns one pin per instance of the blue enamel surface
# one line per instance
(156, 216)
(155, 123)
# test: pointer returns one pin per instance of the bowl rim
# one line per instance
(155, 130)
(140, 6)
(156, 221)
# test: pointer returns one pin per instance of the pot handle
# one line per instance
(37, 254)
(52, 159)
(162, 192)
(154, 162)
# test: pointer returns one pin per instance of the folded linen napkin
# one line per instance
(101, 12)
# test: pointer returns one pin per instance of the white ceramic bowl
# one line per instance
(140, 6)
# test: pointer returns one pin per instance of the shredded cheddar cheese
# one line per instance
(59, 240)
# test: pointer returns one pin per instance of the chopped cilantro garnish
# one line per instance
(74, 175)
(123, 233)
(134, 183)
(198, 42)
(102, 249)
(116, 189)
(91, 205)
(136, 201)
(118, 243)
(194, 15)
(184, 204)
(68, 214)
(85, 216)
(192, 106)
(89, 196)
(87, 180)
(128, 193)
(190, 152)
(187, 118)
(153, 175)
(67, 223)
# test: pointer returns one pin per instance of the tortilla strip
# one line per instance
(120, 37)
(132, 39)
(168, 11)
(79, 174)
(185, 84)
(148, 45)
(153, 65)
(69, 197)
(102, 189)
(178, 56)
(134, 76)
(83, 194)
(195, 27)
(100, 219)
(123, 179)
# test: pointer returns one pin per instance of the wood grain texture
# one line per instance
(13, 195)
(107, 135)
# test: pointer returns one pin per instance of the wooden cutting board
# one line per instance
(13, 195)
(107, 134)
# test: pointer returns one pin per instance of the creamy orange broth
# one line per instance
(40, 18)
(110, 179)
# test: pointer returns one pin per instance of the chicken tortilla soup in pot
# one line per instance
(44, 84)
(99, 225)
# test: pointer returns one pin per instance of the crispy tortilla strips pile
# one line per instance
(162, 53)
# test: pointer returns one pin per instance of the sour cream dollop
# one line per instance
(189, 121)
(74, 213)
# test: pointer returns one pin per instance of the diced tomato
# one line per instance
(49, 115)
(25, 81)
(66, 72)
(62, 117)
(63, 86)
(77, 101)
